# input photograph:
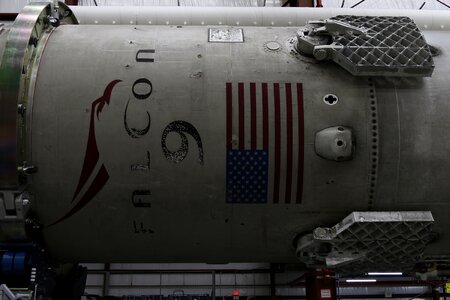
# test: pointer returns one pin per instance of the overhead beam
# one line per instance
(299, 3)
(72, 2)
(8, 16)
(305, 3)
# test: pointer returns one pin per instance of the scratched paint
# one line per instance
(141, 198)
(181, 128)
(135, 132)
(140, 228)
(142, 167)
(139, 96)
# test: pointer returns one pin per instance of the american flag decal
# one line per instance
(265, 138)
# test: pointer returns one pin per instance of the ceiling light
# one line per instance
(361, 280)
(385, 273)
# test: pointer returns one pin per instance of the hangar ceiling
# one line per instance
(16, 5)
(371, 4)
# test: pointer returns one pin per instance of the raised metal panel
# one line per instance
(372, 241)
(226, 35)
(368, 46)
(389, 46)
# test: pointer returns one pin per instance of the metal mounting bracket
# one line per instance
(13, 208)
(368, 46)
(369, 241)
(335, 143)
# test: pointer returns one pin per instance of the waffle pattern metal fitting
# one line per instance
(391, 44)
(370, 46)
(366, 241)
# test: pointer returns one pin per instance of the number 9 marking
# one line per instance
(182, 128)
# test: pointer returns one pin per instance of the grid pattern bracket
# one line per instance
(381, 241)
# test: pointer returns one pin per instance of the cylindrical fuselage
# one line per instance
(159, 144)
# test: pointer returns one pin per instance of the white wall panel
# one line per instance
(128, 2)
(173, 2)
(188, 266)
(172, 279)
(222, 2)
(143, 279)
(17, 5)
(225, 279)
(245, 279)
(370, 4)
(95, 279)
(125, 279)
(93, 291)
(8, 6)
(14, 6)
(195, 279)
(380, 4)
(261, 278)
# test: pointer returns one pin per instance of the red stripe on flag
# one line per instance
(276, 177)
(301, 125)
(253, 115)
(241, 116)
(288, 142)
(229, 115)
(265, 107)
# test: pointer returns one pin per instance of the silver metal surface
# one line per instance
(189, 78)
(21, 51)
(4, 29)
(244, 16)
(11, 72)
(331, 190)
(369, 241)
(15, 70)
(128, 130)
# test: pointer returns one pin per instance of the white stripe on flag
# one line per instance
(271, 106)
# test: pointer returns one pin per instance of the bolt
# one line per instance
(28, 170)
(34, 41)
(320, 232)
(21, 109)
(53, 21)
(25, 202)
(321, 54)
